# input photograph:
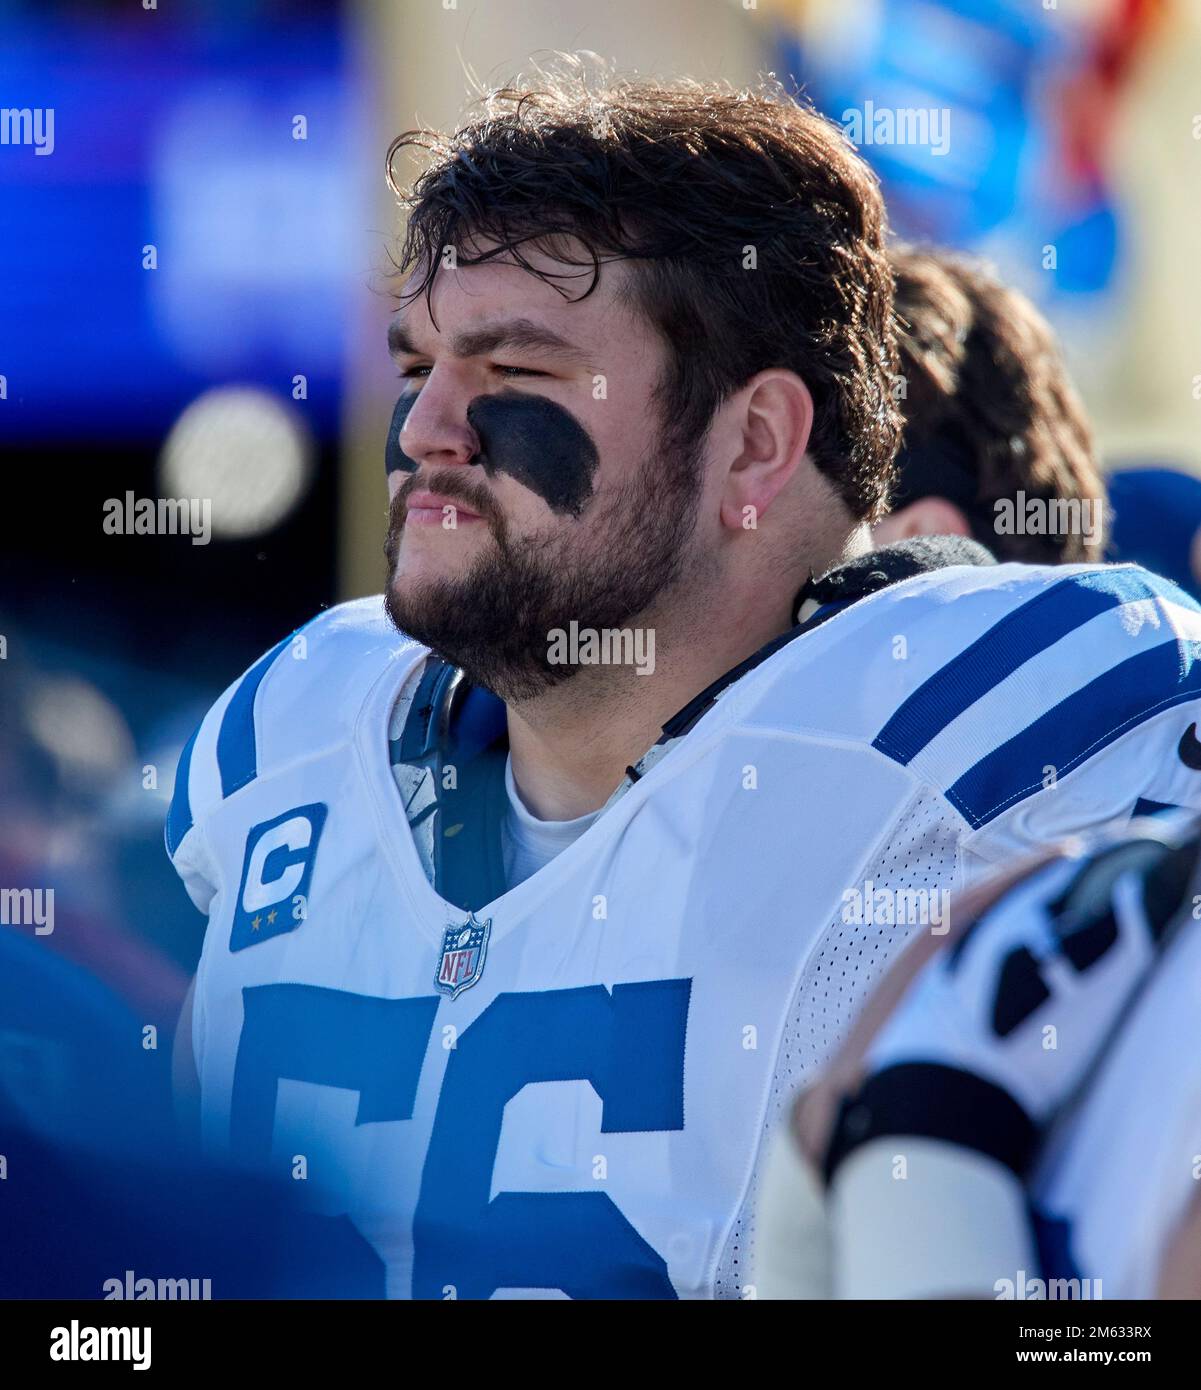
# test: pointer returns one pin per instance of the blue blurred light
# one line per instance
(178, 138)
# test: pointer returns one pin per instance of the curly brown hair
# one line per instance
(755, 234)
(988, 389)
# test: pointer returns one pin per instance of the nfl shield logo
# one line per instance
(463, 951)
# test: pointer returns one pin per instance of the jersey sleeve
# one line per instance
(1069, 713)
(219, 758)
(298, 699)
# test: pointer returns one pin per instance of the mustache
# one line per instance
(450, 484)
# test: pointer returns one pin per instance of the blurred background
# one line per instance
(193, 294)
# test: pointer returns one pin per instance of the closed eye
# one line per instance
(511, 372)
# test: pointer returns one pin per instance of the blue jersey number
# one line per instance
(628, 1044)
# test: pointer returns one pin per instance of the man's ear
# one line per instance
(770, 420)
(928, 516)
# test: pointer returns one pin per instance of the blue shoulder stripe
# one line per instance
(237, 746)
(1008, 644)
(1080, 726)
(179, 816)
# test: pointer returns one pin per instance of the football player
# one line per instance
(1017, 1113)
(536, 887)
(992, 420)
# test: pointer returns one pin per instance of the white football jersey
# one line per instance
(565, 1092)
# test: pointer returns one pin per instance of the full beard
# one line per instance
(495, 620)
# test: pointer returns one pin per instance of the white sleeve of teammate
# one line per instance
(927, 1161)
(1025, 998)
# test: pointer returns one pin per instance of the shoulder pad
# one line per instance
(299, 698)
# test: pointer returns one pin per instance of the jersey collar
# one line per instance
(451, 721)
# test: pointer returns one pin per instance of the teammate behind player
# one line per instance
(992, 420)
(1032, 1078)
(529, 909)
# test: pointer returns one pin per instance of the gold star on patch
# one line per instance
(271, 917)
(255, 923)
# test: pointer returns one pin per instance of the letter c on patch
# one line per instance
(271, 856)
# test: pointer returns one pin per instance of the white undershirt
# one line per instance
(528, 843)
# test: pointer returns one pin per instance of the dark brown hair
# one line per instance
(988, 392)
(692, 182)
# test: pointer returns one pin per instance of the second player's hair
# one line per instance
(989, 403)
